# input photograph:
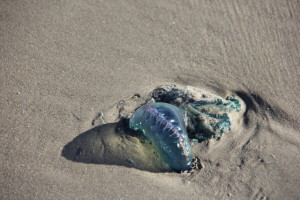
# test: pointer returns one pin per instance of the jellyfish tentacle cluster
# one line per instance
(209, 115)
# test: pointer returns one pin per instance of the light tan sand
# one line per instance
(62, 62)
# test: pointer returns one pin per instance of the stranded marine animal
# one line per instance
(163, 124)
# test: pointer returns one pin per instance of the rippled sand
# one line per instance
(65, 62)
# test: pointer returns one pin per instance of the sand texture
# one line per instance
(66, 65)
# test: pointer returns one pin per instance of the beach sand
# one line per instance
(64, 62)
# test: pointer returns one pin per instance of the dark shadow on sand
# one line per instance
(255, 103)
(107, 145)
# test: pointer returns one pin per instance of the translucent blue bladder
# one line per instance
(163, 124)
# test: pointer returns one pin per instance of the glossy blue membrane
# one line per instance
(163, 125)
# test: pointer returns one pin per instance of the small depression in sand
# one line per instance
(207, 117)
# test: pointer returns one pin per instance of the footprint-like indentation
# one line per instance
(263, 109)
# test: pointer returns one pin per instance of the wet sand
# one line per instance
(64, 62)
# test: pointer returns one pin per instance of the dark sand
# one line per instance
(62, 62)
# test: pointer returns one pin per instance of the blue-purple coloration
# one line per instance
(163, 125)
